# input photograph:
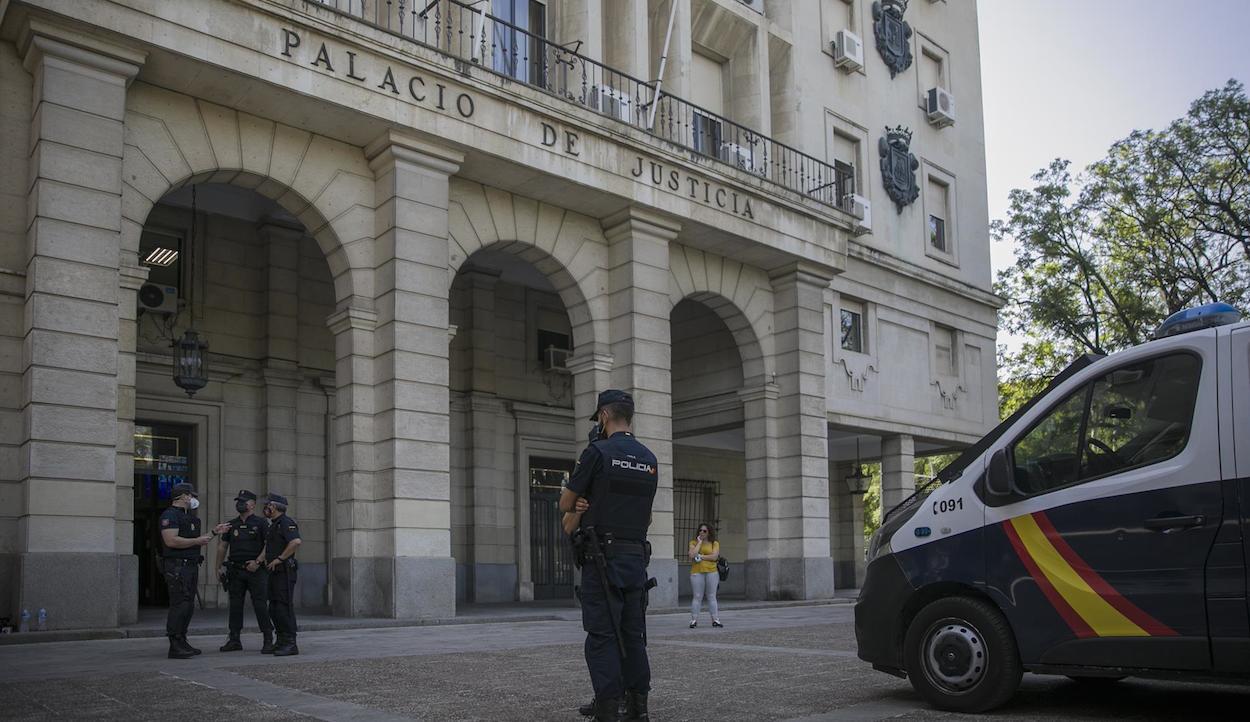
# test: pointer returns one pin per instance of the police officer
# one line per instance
(180, 562)
(281, 543)
(244, 572)
(618, 476)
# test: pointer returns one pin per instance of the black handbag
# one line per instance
(722, 568)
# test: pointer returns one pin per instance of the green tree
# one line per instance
(1160, 224)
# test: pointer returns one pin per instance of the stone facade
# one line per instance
(416, 262)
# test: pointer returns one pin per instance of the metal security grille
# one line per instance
(551, 556)
(695, 502)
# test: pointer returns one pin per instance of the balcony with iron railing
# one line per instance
(469, 34)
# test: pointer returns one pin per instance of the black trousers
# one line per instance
(257, 585)
(281, 597)
(625, 601)
(180, 580)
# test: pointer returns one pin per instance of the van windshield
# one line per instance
(955, 469)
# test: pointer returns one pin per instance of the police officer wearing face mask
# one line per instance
(180, 562)
(244, 572)
(618, 476)
(281, 544)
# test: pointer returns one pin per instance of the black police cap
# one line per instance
(182, 490)
(245, 495)
(277, 498)
(611, 396)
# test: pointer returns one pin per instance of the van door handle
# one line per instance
(1171, 523)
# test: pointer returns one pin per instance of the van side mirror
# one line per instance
(998, 476)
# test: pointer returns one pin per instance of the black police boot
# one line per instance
(177, 650)
(187, 644)
(608, 710)
(636, 705)
(588, 709)
(286, 647)
(267, 646)
(232, 644)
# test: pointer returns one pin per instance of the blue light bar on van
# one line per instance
(1199, 317)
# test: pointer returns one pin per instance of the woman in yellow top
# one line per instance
(703, 552)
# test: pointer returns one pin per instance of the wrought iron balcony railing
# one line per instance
(467, 32)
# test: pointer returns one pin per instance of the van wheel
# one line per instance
(961, 656)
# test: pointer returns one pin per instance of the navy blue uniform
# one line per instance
(180, 567)
(618, 476)
(282, 530)
(246, 540)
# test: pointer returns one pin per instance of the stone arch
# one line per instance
(567, 247)
(740, 295)
(173, 140)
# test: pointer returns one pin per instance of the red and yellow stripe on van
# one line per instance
(1087, 603)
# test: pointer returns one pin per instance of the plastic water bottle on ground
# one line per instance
(42, 624)
(25, 623)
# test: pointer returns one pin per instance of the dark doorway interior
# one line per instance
(551, 556)
(164, 456)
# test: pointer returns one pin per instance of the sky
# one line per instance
(1067, 78)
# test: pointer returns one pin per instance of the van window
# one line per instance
(1133, 416)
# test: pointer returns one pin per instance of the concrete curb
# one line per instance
(81, 635)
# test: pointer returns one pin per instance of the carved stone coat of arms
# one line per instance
(898, 166)
(893, 34)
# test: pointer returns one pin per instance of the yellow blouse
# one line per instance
(707, 565)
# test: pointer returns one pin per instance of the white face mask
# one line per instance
(195, 503)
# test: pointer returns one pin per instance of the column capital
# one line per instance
(270, 227)
(592, 361)
(802, 272)
(39, 38)
(132, 278)
(763, 392)
(394, 146)
(635, 219)
(352, 317)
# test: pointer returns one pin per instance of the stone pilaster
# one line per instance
(798, 565)
(640, 339)
(898, 473)
(353, 591)
(759, 414)
(412, 489)
(846, 534)
(132, 278)
(68, 535)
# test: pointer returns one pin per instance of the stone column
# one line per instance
(898, 474)
(582, 20)
(412, 488)
(67, 536)
(640, 338)
(798, 565)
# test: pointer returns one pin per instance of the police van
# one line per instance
(1102, 531)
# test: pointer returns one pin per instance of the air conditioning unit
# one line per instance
(941, 107)
(742, 156)
(848, 51)
(613, 102)
(861, 208)
(556, 359)
(158, 299)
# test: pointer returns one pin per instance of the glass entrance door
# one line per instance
(551, 556)
(163, 457)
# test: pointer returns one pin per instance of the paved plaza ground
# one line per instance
(785, 663)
